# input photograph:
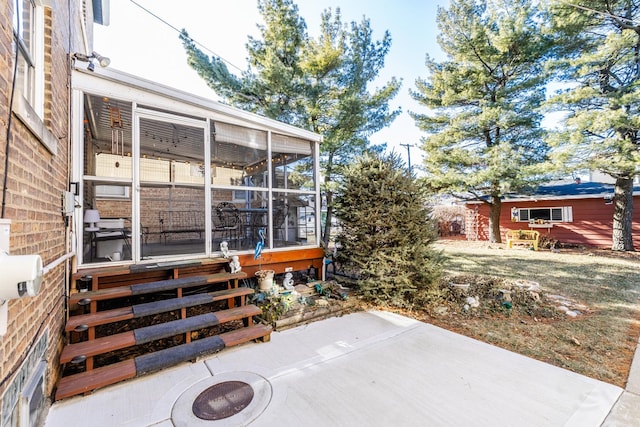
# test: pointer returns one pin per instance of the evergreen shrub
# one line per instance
(387, 232)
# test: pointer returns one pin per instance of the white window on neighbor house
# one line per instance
(28, 32)
(559, 214)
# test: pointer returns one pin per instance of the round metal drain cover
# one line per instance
(222, 400)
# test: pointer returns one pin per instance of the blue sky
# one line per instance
(142, 45)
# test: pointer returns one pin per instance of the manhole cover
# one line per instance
(222, 400)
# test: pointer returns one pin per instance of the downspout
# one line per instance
(10, 120)
(69, 221)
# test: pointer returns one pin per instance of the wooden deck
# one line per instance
(156, 315)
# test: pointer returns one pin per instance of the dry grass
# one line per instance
(599, 343)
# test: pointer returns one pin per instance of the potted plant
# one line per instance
(265, 279)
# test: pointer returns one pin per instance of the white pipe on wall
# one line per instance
(47, 268)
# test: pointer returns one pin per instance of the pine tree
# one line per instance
(386, 230)
(318, 84)
(484, 137)
(598, 54)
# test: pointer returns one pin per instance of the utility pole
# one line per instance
(408, 154)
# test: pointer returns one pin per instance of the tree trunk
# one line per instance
(495, 206)
(622, 215)
(326, 233)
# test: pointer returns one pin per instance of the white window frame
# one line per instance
(107, 191)
(566, 213)
(32, 88)
(29, 96)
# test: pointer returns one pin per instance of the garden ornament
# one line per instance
(260, 244)
(224, 248)
(235, 264)
(287, 283)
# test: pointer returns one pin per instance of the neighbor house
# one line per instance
(112, 180)
(576, 213)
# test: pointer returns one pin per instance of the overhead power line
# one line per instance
(180, 32)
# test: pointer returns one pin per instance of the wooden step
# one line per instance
(240, 336)
(90, 380)
(97, 346)
(170, 284)
(155, 332)
(96, 378)
(158, 360)
(181, 353)
(155, 307)
(124, 270)
(170, 264)
(101, 295)
(237, 313)
(84, 321)
(109, 277)
(157, 286)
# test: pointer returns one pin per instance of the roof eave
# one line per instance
(189, 98)
(543, 198)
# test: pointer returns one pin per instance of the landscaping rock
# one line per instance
(528, 285)
(322, 303)
(441, 310)
(463, 287)
(477, 295)
(568, 307)
(473, 302)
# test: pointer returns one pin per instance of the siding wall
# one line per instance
(592, 221)
(36, 178)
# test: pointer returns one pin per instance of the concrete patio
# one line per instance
(365, 369)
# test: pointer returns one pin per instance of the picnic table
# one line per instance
(523, 236)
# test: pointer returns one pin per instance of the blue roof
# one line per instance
(571, 190)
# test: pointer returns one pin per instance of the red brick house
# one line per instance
(105, 171)
(36, 37)
(580, 213)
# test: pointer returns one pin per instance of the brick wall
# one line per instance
(36, 179)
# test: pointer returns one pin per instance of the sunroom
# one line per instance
(163, 175)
